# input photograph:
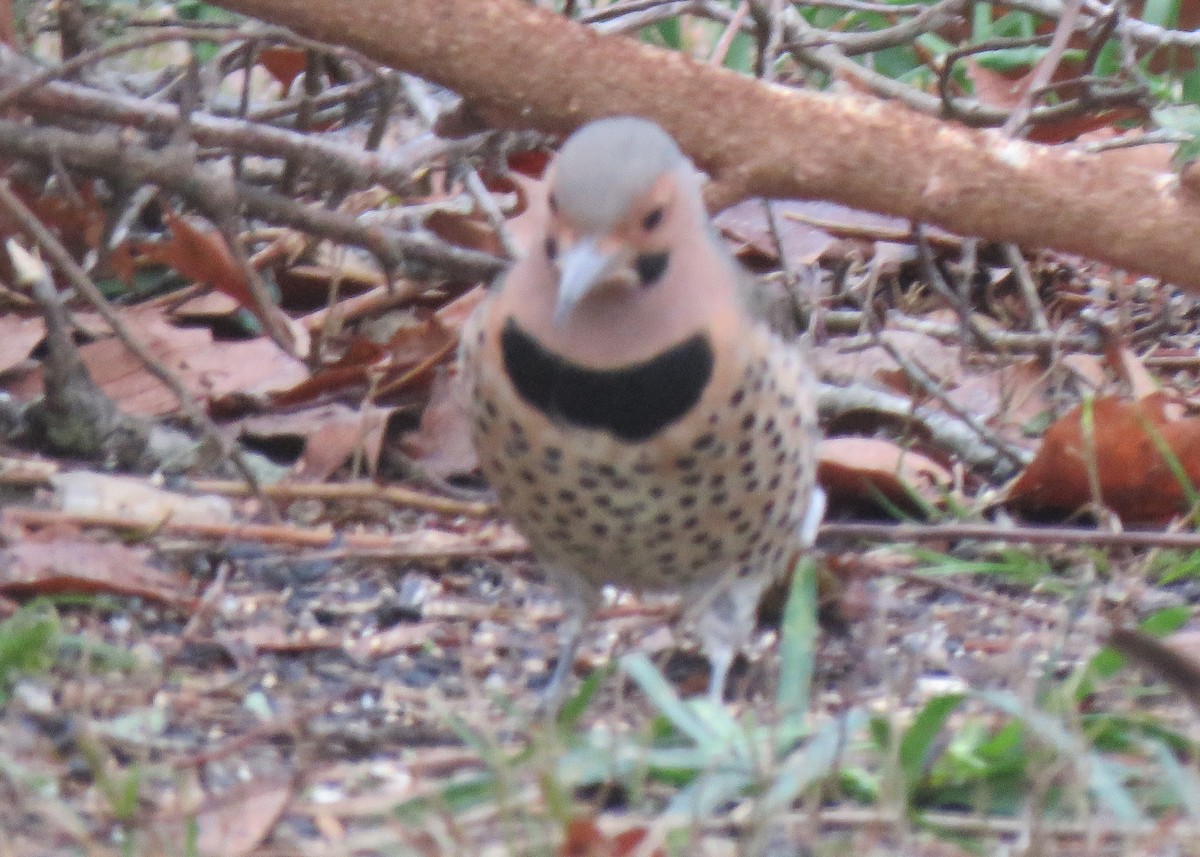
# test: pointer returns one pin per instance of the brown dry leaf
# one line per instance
(18, 337)
(1071, 128)
(78, 217)
(236, 827)
(856, 466)
(284, 62)
(994, 88)
(1000, 89)
(1135, 480)
(415, 342)
(529, 162)
(1088, 368)
(201, 255)
(72, 566)
(585, 839)
(351, 369)
(309, 285)
(207, 368)
(455, 314)
(939, 360)
(331, 434)
(206, 307)
(333, 442)
(1008, 396)
(442, 443)
(746, 227)
(464, 229)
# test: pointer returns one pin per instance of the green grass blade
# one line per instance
(918, 741)
(659, 691)
(797, 642)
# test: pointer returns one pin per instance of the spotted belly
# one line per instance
(721, 492)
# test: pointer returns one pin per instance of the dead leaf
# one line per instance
(209, 369)
(801, 230)
(72, 566)
(308, 286)
(330, 433)
(202, 255)
(350, 370)
(1008, 397)
(585, 839)
(858, 466)
(1135, 480)
(236, 827)
(1006, 89)
(333, 442)
(206, 307)
(77, 217)
(455, 314)
(1088, 368)
(18, 337)
(994, 88)
(939, 360)
(442, 443)
(284, 62)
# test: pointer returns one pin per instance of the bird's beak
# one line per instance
(581, 267)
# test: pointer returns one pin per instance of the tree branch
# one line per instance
(521, 66)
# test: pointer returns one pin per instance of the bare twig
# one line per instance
(425, 544)
(945, 431)
(111, 156)
(88, 290)
(1077, 536)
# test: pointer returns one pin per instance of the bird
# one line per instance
(640, 425)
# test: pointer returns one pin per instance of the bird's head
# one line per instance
(622, 199)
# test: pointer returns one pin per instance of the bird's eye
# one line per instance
(651, 220)
(551, 247)
(650, 266)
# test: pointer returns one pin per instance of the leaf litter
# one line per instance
(299, 684)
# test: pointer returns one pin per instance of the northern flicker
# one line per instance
(641, 427)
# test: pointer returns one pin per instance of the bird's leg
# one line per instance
(724, 627)
(579, 601)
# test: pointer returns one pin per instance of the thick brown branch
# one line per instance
(527, 67)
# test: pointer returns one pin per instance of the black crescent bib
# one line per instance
(633, 402)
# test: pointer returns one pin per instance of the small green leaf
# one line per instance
(1161, 13)
(798, 635)
(917, 743)
(647, 676)
(1183, 118)
(572, 710)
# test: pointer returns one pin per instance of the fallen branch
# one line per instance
(520, 66)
